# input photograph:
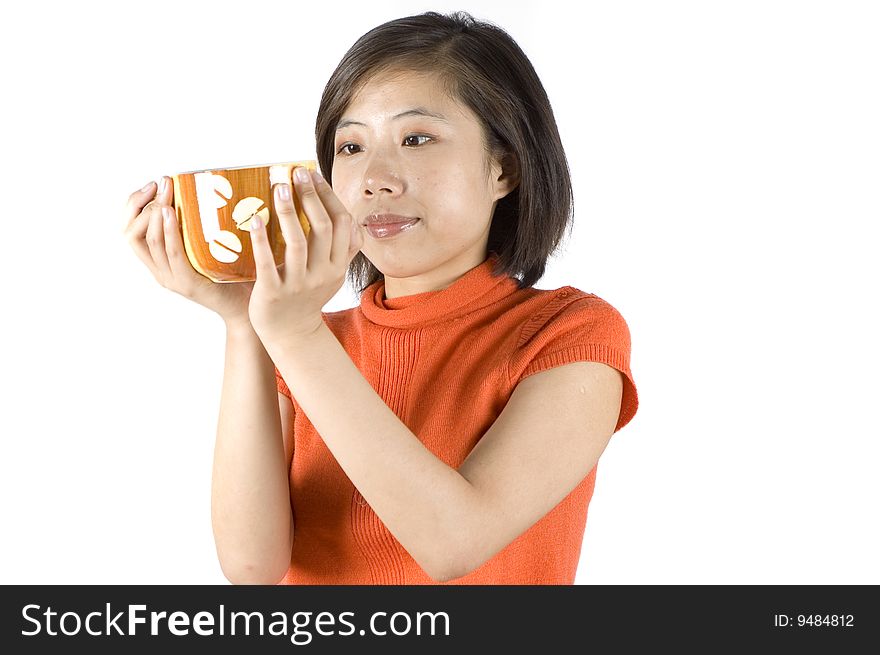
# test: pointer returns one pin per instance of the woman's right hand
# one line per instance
(159, 245)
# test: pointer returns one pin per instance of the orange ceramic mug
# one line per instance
(215, 207)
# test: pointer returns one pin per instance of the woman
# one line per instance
(448, 429)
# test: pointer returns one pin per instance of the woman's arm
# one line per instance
(250, 495)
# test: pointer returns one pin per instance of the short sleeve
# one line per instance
(282, 385)
(575, 326)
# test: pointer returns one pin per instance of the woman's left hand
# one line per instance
(286, 302)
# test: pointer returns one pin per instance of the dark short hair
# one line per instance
(480, 65)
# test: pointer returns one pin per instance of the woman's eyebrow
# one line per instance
(416, 111)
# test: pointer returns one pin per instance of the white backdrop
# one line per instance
(725, 162)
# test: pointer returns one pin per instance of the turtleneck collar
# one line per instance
(476, 288)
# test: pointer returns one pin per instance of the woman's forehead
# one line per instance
(402, 92)
(425, 86)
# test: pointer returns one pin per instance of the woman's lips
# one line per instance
(387, 230)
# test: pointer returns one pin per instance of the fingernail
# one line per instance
(256, 223)
(302, 175)
(162, 185)
(147, 186)
(317, 176)
(169, 216)
(284, 191)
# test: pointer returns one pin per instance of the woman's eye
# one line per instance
(406, 142)
(416, 136)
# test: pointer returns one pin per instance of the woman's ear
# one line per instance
(509, 178)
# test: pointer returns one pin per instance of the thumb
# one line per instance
(357, 240)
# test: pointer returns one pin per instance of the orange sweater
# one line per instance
(446, 362)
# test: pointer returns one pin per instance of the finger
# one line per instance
(136, 234)
(156, 244)
(322, 230)
(137, 228)
(148, 196)
(163, 195)
(136, 203)
(264, 259)
(178, 263)
(356, 242)
(345, 229)
(143, 252)
(296, 249)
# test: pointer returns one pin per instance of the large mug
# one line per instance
(215, 208)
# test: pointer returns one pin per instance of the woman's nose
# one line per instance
(381, 175)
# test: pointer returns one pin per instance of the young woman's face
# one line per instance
(420, 167)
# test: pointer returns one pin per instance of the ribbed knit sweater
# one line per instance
(446, 362)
